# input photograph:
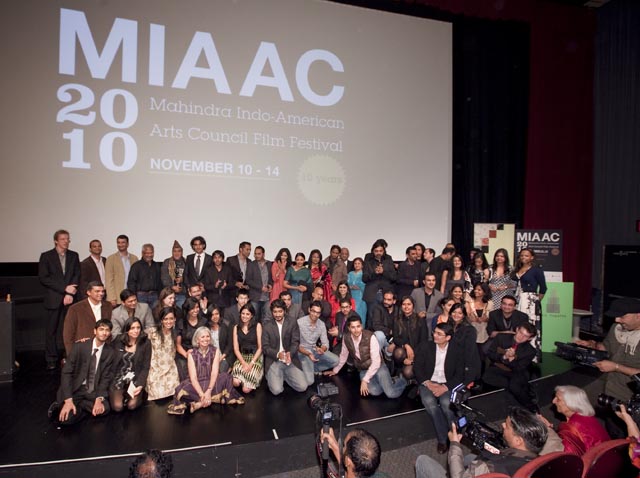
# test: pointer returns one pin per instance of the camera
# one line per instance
(326, 413)
(632, 406)
(579, 354)
(481, 435)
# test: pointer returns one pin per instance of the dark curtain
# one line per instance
(617, 137)
(490, 110)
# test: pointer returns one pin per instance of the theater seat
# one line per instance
(608, 459)
(553, 465)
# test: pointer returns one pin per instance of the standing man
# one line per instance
(379, 273)
(344, 255)
(361, 346)
(441, 263)
(280, 342)
(172, 273)
(336, 266)
(427, 299)
(239, 264)
(59, 273)
(408, 273)
(259, 281)
(85, 379)
(314, 344)
(82, 316)
(197, 263)
(117, 269)
(92, 269)
(622, 342)
(144, 278)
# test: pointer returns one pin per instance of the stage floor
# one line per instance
(28, 437)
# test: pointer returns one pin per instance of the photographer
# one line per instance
(524, 434)
(361, 452)
(622, 345)
(634, 434)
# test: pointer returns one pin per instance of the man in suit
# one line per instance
(506, 319)
(439, 368)
(117, 269)
(93, 267)
(427, 299)
(197, 263)
(259, 281)
(130, 307)
(280, 342)
(511, 355)
(409, 277)
(85, 379)
(81, 317)
(59, 273)
(239, 264)
(344, 255)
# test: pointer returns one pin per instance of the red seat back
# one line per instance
(553, 465)
(609, 459)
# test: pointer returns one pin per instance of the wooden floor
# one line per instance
(262, 425)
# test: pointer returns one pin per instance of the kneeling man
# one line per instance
(280, 342)
(85, 380)
(363, 349)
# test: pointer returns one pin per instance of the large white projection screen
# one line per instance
(285, 123)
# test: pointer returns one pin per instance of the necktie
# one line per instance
(91, 376)
(198, 265)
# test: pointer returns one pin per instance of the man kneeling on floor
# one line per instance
(526, 437)
(85, 379)
(362, 347)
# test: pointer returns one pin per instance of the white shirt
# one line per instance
(438, 371)
(280, 325)
(97, 310)
(100, 267)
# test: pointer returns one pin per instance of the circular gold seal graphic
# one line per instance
(321, 179)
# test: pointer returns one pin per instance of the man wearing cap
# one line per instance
(622, 343)
(172, 273)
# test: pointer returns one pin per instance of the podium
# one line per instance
(7, 341)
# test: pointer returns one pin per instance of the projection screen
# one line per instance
(292, 123)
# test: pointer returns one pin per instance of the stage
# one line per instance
(267, 435)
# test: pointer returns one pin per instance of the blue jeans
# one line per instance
(279, 372)
(439, 411)
(260, 307)
(148, 297)
(326, 361)
(382, 341)
(382, 382)
(427, 467)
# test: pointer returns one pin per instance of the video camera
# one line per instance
(481, 435)
(632, 406)
(326, 414)
(579, 354)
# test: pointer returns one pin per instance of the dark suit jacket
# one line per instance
(216, 295)
(496, 321)
(524, 353)
(88, 273)
(141, 360)
(190, 276)
(51, 276)
(234, 264)
(80, 322)
(465, 340)
(271, 341)
(254, 279)
(76, 368)
(375, 281)
(425, 363)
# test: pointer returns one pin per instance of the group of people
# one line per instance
(204, 329)
(208, 330)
